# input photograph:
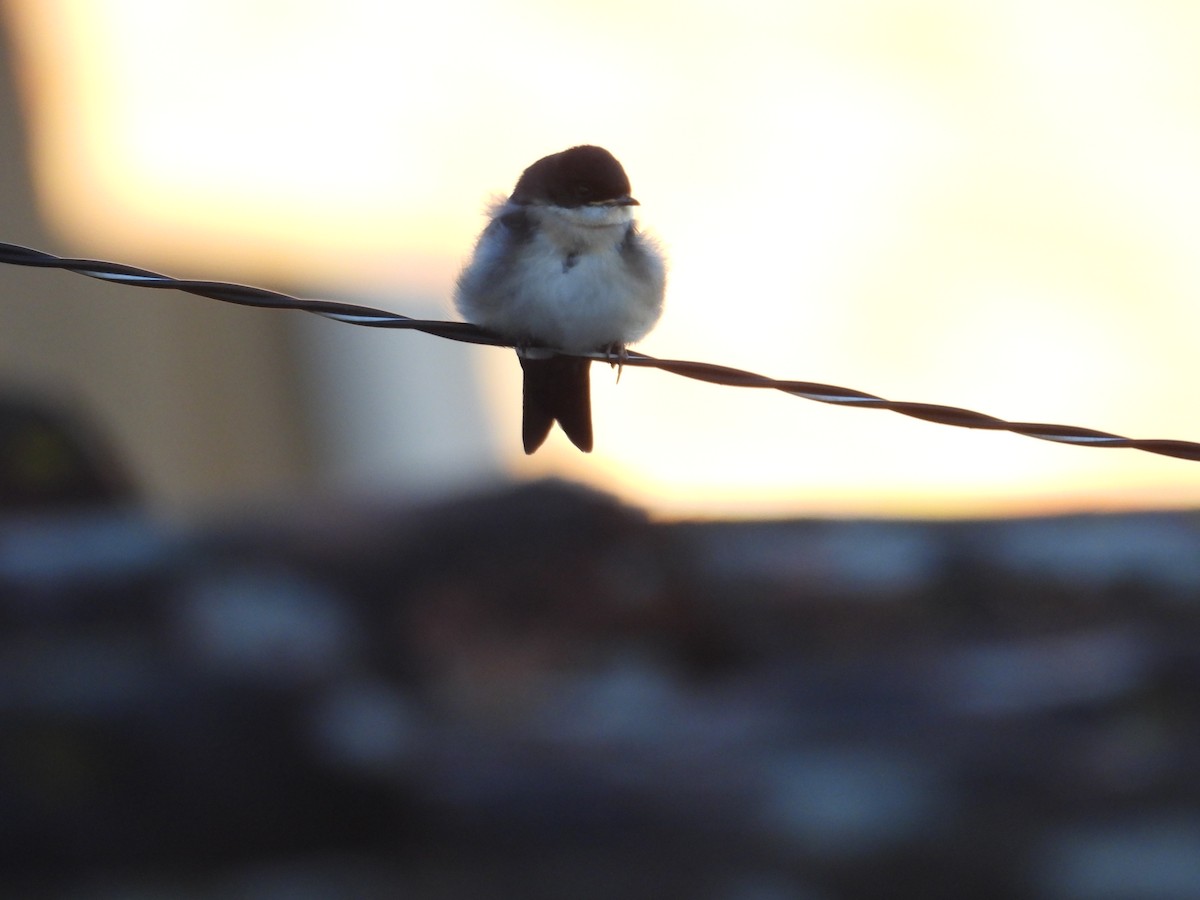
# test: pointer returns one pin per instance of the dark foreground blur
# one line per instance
(541, 694)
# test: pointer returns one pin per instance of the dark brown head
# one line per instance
(581, 176)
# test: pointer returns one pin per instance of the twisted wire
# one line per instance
(244, 295)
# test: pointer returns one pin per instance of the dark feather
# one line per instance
(557, 389)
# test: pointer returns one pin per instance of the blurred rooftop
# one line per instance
(540, 692)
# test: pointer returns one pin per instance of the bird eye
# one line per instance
(583, 190)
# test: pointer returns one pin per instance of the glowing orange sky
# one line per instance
(988, 205)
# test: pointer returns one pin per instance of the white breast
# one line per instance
(570, 286)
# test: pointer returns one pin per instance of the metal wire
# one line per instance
(244, 295)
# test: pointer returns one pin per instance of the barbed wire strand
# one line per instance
(244, 295)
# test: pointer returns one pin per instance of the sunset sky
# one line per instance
(989, 205)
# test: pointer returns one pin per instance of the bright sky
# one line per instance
(990, 205)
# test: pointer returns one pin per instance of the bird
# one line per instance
(563, 265)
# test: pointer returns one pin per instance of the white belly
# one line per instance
(569, 286)
(594, 302)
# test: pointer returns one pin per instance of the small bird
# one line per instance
(562, 265)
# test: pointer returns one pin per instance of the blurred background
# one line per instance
(992, 206)
(285, 612)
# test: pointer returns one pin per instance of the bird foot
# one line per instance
(617, 356)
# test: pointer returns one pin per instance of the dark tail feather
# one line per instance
(557, 389)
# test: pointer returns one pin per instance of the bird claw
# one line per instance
(617, 356)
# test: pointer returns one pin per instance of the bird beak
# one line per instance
(620, 201)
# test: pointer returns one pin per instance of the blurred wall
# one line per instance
(200, 400)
